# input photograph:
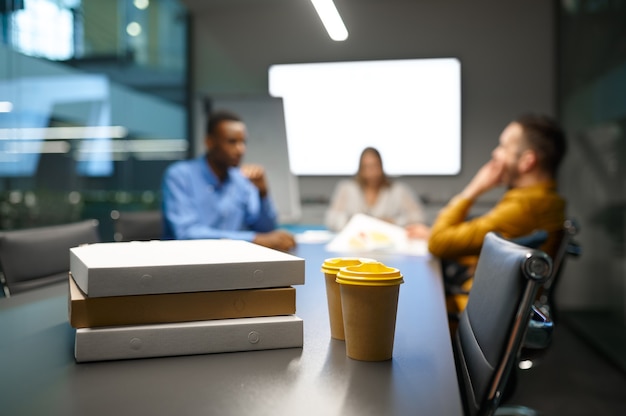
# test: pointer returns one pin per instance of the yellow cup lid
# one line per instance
(369, 274)
(332, 266)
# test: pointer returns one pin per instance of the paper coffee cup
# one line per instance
(330, 267)
(369, 299)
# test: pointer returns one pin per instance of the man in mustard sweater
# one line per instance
(526, 161)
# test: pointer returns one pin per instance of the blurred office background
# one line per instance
(98, 91)
(97, 97)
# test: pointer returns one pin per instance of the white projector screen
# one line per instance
(409, 109)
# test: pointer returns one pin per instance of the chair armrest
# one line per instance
(539, 333)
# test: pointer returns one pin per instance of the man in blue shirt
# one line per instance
(212, 197)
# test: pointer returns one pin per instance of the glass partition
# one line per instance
(593, 109)
(92, 107)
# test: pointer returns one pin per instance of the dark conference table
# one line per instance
(38, 374)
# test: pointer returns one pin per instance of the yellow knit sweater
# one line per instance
(520, 212)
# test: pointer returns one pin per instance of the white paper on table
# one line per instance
(314, 236)
(364, 233)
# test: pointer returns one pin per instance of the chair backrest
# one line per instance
(35, 257)
(532, 240)
(492, 327)
(455, 274)
(137, 225)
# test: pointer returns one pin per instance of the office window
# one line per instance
(409, 109)
(89, 120)
(44, 29)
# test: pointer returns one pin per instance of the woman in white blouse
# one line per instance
(371, 192)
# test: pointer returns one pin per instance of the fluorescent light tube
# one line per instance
(331, 19)
(54, 133)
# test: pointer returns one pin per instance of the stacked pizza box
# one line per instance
(182, 297)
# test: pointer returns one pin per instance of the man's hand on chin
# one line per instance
(488, 177)
(256, 174)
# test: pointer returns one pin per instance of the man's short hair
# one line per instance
(217, 117)
(544, 135)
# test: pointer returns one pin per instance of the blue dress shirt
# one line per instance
(197, 205)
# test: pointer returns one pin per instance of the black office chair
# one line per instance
(455, 274)
(492, 327)
(35, 257)
(541, 325)
(137, 225)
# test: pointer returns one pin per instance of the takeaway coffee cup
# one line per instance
(330, 267)
(369, 301)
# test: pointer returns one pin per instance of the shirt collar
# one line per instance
(549, 185)
(210, 175)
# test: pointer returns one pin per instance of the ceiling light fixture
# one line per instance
(331, 19)
(133, 29)
(141, 4)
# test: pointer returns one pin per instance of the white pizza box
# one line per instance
(188, 338)
(175, 266)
